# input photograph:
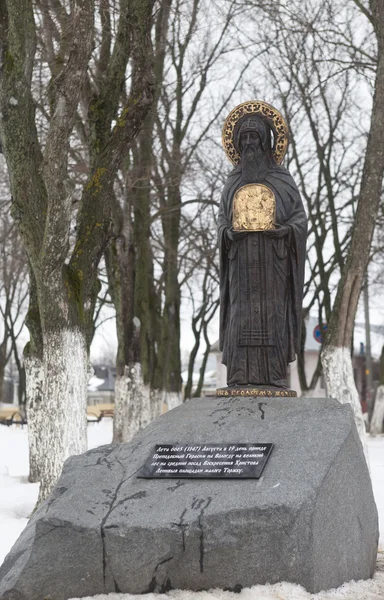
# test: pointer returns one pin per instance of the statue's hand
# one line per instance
(235, 236)
(279, 231)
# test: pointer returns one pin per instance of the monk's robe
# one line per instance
(261, 287)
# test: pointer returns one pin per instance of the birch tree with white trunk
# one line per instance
(63, 276)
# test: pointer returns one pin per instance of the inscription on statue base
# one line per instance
(256, 392)
(223, 461)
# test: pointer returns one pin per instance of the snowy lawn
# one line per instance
(18, 497)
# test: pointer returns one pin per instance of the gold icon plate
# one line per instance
(254, 208)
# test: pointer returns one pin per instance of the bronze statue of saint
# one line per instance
(262, 230)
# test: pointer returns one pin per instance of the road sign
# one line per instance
(317, 332)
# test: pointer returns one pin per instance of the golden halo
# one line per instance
(274, 118)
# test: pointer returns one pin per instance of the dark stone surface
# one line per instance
(311, 518)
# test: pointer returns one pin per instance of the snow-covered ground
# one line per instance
(18, 497)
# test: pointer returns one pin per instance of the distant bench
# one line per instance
(94, 415)
(15, 418)
(99, 411)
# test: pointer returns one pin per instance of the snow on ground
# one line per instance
(18, 497)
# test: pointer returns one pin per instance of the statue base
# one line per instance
(310, 519)
(268, 391)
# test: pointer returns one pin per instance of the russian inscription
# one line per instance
(227, 461)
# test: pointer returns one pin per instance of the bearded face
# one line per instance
(255, 162)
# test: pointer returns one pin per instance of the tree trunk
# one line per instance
(119, 260)
(34, 377)
(169, 361)
(203, 367)
(301, 360)
(62, 428)
(21, 391)
(338, 371)
(172, 399)
(64, 284)
(157, 401)
(130, 274)
(191, 364)
(378, 410)
(133, 403)
(146, 304)
(3, 360)
(197, 329)
(56, 387)
(336, 357)
(120, 415)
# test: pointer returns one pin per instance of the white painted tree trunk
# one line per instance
(34, 377)
(340, 383)
(378, 412)
(121, 407)
(63, 428)
(157, 401)
(172, 399)
(132, 404)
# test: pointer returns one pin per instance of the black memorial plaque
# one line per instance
(223, 461)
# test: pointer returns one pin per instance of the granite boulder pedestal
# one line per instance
(311, 519)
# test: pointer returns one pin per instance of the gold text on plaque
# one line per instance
(254, 208)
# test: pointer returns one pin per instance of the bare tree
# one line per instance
(130, 268)
(191, 73)
(63, 277)
(317, 66)
(318, 102)
(148, 227)
(13, 296)
(337, 361)
(201, 278)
